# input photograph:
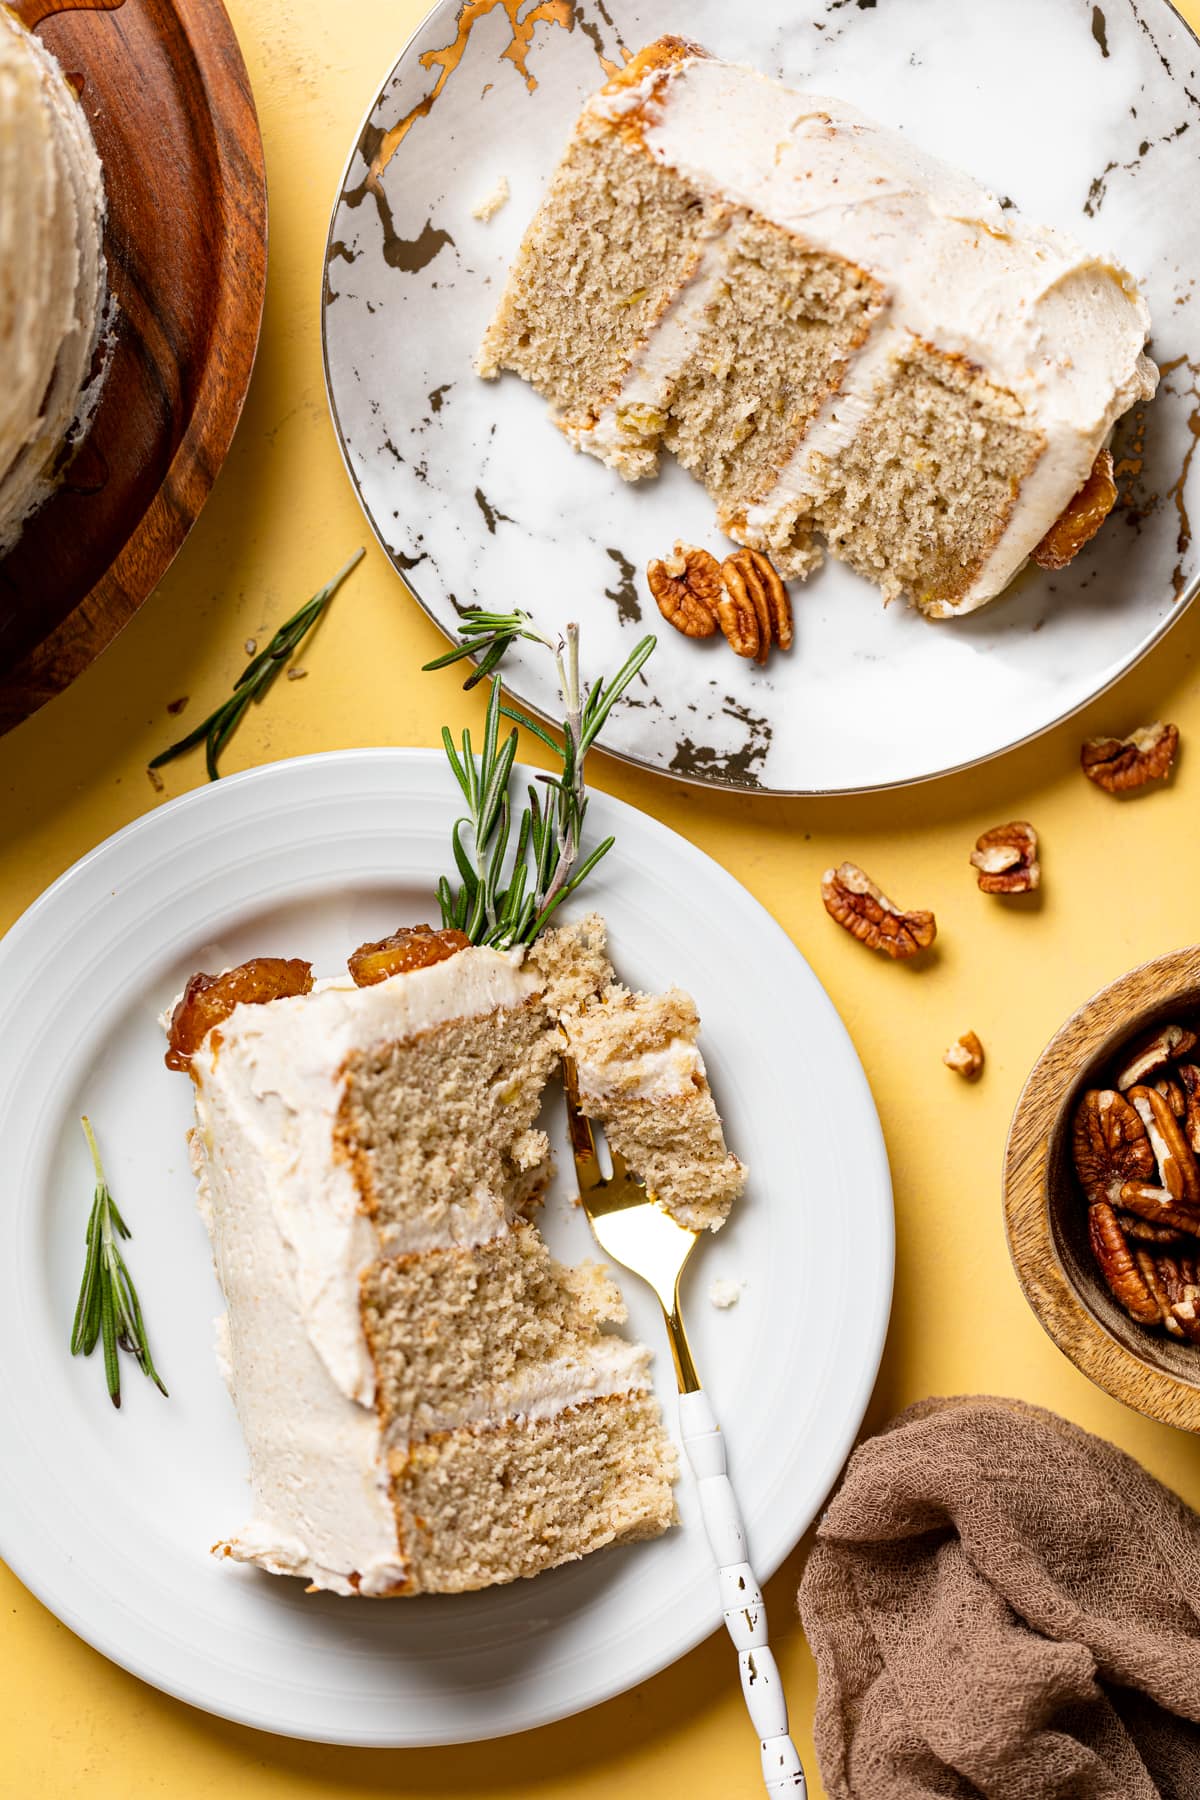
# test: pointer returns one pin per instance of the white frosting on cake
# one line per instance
(613, 1366)
(52, 276)
(646, 389)
(290, 1244)
(676, 1069)
(1060, 328)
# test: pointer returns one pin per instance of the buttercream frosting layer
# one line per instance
(663, 1074)
(52, 274)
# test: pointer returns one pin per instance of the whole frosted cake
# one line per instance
(428, 1398)
(849, 343)
(52, 274)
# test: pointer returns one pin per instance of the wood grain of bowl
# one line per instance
(1046, 1214)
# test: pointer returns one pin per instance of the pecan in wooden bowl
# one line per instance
(1102, 1189)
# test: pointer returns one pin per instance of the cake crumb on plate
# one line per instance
(725, 1294)
(490, 205)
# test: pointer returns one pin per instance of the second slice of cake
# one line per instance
(853, 346)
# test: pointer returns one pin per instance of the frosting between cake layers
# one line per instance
(962, 274)
(616, 434)
(542, 1390)
(677, 1068)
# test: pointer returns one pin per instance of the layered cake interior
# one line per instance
(854, 347)
(431, 1402)
(52, 273)
(641, 1073)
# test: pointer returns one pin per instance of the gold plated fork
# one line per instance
(639, 1234)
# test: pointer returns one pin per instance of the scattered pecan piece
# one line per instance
(1110, 1145)
(1151, 1054)
(1177, 1169)
(208, 1000)
(1083, 517)
(1006, 859)
(852, 898)
(751, 575)
(965, 1056)
(1115, 1261)
(1120, 764)
(1153, 1276)
(688, 587)
(412, 947)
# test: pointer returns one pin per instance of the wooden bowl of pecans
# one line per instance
(1102, 1189)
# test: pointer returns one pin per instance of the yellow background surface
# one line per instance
(1120, 884)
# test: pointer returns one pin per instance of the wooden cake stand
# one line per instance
(166, 92)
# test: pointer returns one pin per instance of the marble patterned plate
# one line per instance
(1086, 115)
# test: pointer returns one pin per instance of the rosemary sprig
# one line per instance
(505, 903)
(256, 678)
(109, 1310)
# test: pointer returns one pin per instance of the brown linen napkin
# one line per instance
(1001, 1604)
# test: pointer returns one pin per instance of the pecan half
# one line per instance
(965, 1056)
(1083, 517)
(1154, 1277)
(1158, 1206)
(688, 587)
(1179, 1280)
(852, 898)
(1006, 859)
(1141, 1231)
(1177, 1169)
(1110, 1145)
(1146, 1059)
(741, 628)
(1189, 1076)
(1177, 1274)
(1121, 764)
(1115, 1261)
(1173, 1094)
(749, 575)
(742, 616)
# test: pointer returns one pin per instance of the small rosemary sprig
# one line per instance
(256, 678)
(500, 903)
(109, 1310)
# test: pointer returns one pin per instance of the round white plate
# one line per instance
(109, 1516)
(1087, 116)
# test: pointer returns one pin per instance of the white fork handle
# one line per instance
(741, 1600)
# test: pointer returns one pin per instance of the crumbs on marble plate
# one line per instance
(490, 205)
(725, 1294)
